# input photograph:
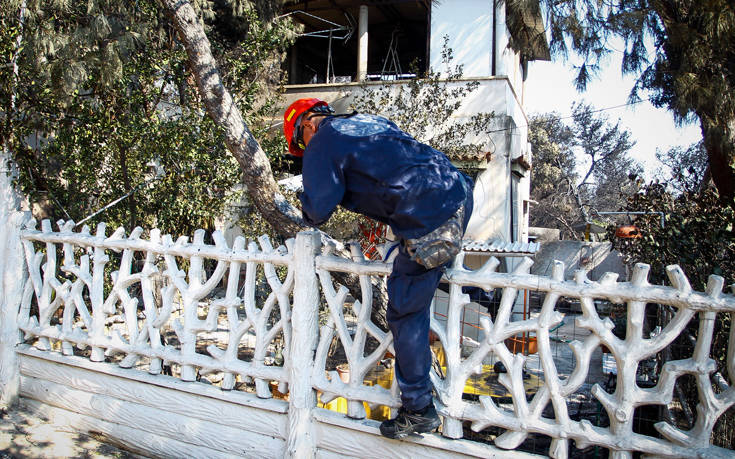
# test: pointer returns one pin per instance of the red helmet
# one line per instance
(292, 120)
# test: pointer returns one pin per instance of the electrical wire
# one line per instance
(572, 116)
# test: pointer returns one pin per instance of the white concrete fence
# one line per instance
(89, 340)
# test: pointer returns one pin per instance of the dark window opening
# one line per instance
(398, 36)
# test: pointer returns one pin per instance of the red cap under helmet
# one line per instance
(291, 116)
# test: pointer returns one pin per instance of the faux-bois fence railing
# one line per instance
(197, 330)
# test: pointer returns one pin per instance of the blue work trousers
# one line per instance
(411, 288)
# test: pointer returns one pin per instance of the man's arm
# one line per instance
(324, 187)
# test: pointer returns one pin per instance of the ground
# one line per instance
(24, 434)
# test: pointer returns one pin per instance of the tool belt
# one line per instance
(439, 246)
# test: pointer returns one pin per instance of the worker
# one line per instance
(366, 164)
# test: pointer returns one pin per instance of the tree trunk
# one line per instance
(719, 141)
(220, 106)
(258, 176)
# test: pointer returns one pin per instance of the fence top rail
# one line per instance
(363, 267)
(162, 245)
(680, 294)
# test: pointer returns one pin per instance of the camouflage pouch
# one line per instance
(439, 246)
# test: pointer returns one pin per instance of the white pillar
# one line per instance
(12, 281)
(12, 262)
(301, 441)
(362, 44)
(500, 40)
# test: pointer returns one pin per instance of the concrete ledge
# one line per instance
(150, 418)
(200, 389)
(361, 438)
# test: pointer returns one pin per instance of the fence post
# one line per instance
(301, 442)
(12, 281)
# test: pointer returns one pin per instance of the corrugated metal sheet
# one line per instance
(497, 246)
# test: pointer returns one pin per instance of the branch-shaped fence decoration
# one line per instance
(109, 303)
(256, 319)
(354, 344)
(527, 416)
(530, 416)
(228, 310)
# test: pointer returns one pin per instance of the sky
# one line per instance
(549, 88)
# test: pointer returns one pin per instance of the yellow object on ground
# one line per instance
(379, 375)
(485, 383)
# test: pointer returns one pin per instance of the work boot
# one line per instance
(411, 422)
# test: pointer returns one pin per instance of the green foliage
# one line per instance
(699, 236)
(554, 159)
(686, 168)
(554, 168)
(590, 144)
(692, 45)
(72, 47)
(343, 225)
(103, 92)
(606, 147)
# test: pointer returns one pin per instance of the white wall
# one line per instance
(491, 217)
(469, 25)
(159, 416)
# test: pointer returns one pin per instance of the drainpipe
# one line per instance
(427, 67)
(362, 44)
(293, 72)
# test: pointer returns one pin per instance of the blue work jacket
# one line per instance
(368, 165)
